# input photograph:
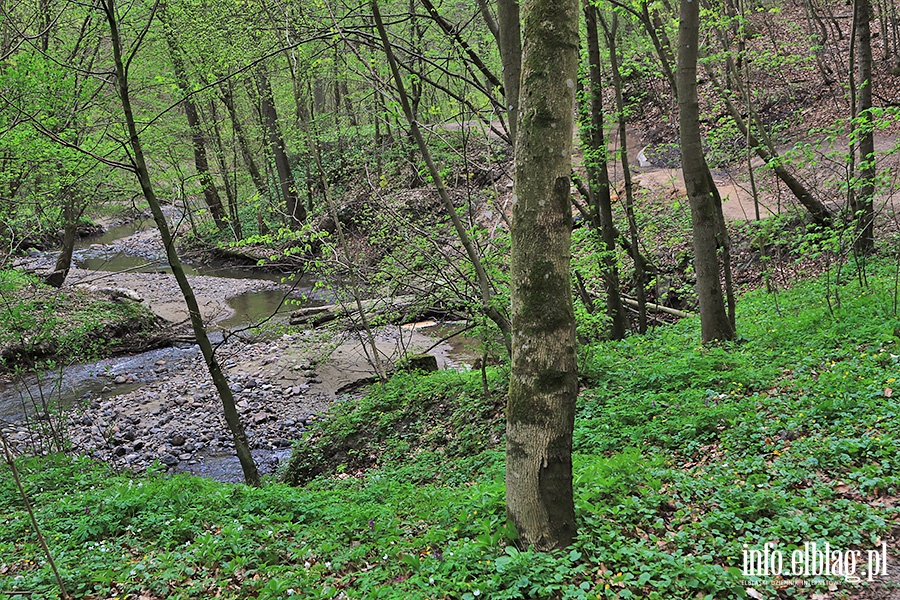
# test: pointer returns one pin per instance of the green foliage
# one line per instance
(40, 323)
(683, 455)
(411, 418)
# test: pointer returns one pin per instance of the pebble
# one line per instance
(171, 419)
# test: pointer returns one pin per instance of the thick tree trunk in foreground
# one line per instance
(714, 321)
(543, 381)
(251, 475)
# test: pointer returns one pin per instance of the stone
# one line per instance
(421, 362)
(177, 440)
(169, 460)
(120, 451)
(185, 456)
(120, 380)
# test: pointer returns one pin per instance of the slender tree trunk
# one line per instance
(234, 217)
(296, 211)
(227, 97)
(484, 284)
(862, 206)
(764, 150)
(705, 225)
(198, 141)
(251, 475)
(598, 171)
(489, 20)
(510, 39)
(71, 214)
(543, 379)
(640, 266)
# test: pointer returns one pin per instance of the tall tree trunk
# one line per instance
(596, 162)
(862, 205)
(227, 97)
(510, 39)
(489, 20)
(543, 379)
(705, 220)
(234, 217)
(640, 265)
(296, 211)
(251, 475)
(198, 141)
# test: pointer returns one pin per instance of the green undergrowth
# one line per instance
(684, 455)
(411, 419)
(41, 324)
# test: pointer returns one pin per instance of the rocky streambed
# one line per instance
(161, 407)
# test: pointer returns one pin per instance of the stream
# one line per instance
(132, 411)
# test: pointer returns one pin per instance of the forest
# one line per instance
(456, 299)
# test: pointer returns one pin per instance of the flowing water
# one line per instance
(133, 248)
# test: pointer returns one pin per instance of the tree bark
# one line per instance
(198, 141)
(596, 162)
(862, 204)
(714, 321)
(251, 475)
(543, 379)
(510, 39)
(640, 268)
(234, 217)
(227, 97)
(296, 211)
(71, 214)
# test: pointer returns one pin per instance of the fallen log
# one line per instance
(658, 308)
(398, 310)
(319, 315)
